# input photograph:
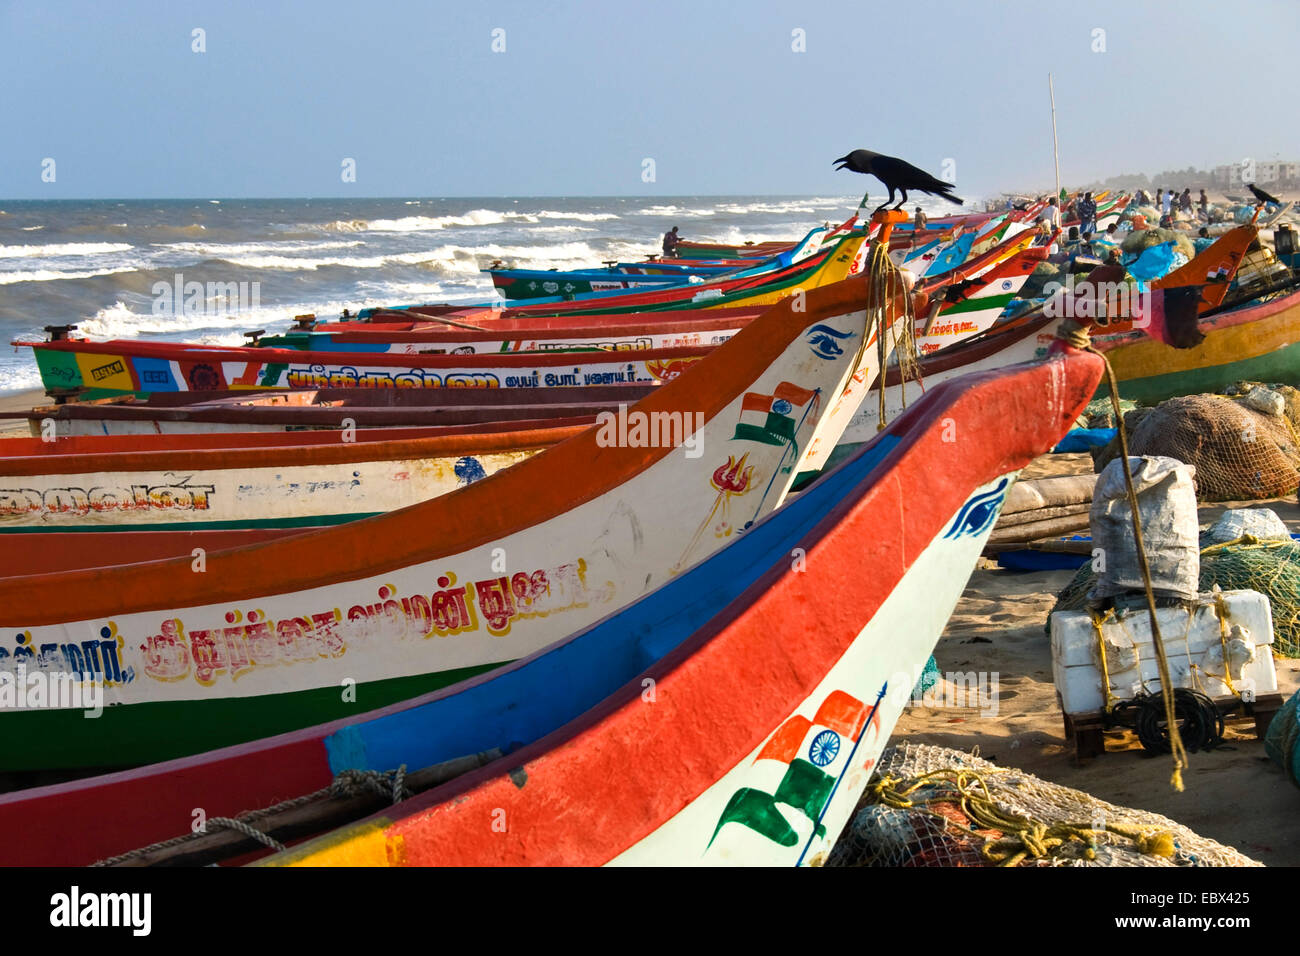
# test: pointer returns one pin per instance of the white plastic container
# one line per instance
(1195, 652)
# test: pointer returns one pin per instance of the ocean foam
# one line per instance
(225, 250)
(63, 249)
(475, 217)
(119, 321)
(49, 275)
(579, 216)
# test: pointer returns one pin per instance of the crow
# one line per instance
(897, 174)
(1262, 196)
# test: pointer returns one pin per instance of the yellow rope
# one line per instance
(1221, 608)
(1110, 699)
(1022, 837)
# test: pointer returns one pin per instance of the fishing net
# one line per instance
(1043, 273)
(1239, 452)
(1282, 742)
(1101, 413)
(1140, 240)
(929, 677)
(1270, 567)
(1150, 213)
(932, 806)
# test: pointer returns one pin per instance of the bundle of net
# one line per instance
(1240, 452)
(1139, 240)
(933, 806)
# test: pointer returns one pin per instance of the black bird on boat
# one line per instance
(1262, 196)
(897, 174)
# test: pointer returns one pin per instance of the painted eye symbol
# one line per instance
(825, 341)
(978, 513)
(824, 345)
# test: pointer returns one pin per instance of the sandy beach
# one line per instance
(1234, 794)
(19, 402)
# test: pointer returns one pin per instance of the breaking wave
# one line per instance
(50, 275)
(63, 249)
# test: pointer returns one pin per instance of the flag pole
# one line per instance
(1056, 156)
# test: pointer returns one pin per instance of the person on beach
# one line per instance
(670, 243)
(1052, 213)
(1159, 193)
(1204, 203)
(1185, 201)
(1167, 206)
(919, 221)
(1087, 214)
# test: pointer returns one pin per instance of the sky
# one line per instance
(715, 92)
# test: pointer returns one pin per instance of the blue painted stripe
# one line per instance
(518, 706)
(953, 256)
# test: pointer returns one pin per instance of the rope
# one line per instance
(1221, 609)
(231, 823)
(1176, 748)
(1020, 836)
(348, 783)
(886, 286)
(1110, 698)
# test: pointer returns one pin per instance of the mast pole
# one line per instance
(1056, 156)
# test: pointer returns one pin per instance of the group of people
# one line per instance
(1167, 201)
(1085, 208)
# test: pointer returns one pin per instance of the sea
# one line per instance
(143, 268)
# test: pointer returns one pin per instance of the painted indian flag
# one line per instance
(774, 419)
(798, 770)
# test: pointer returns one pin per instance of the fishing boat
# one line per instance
(130, 367)
(627, 332)
(277, 636)
(97, 369)
(829, 264)
(541, 283)
(970, 306)
(1029, 336)
(570, 285)
(1258, 342)
(444, 411)
(951, 496)
(783, 700)
(128, 500)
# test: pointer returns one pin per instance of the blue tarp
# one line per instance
(1081, 439)
(1153, 262)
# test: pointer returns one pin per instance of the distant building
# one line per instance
(1268, 171)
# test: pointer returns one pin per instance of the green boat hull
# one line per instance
(46, 739)
(1281, 366)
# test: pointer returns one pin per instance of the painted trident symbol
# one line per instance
(730, 479)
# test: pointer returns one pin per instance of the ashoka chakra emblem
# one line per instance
(824, 747)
